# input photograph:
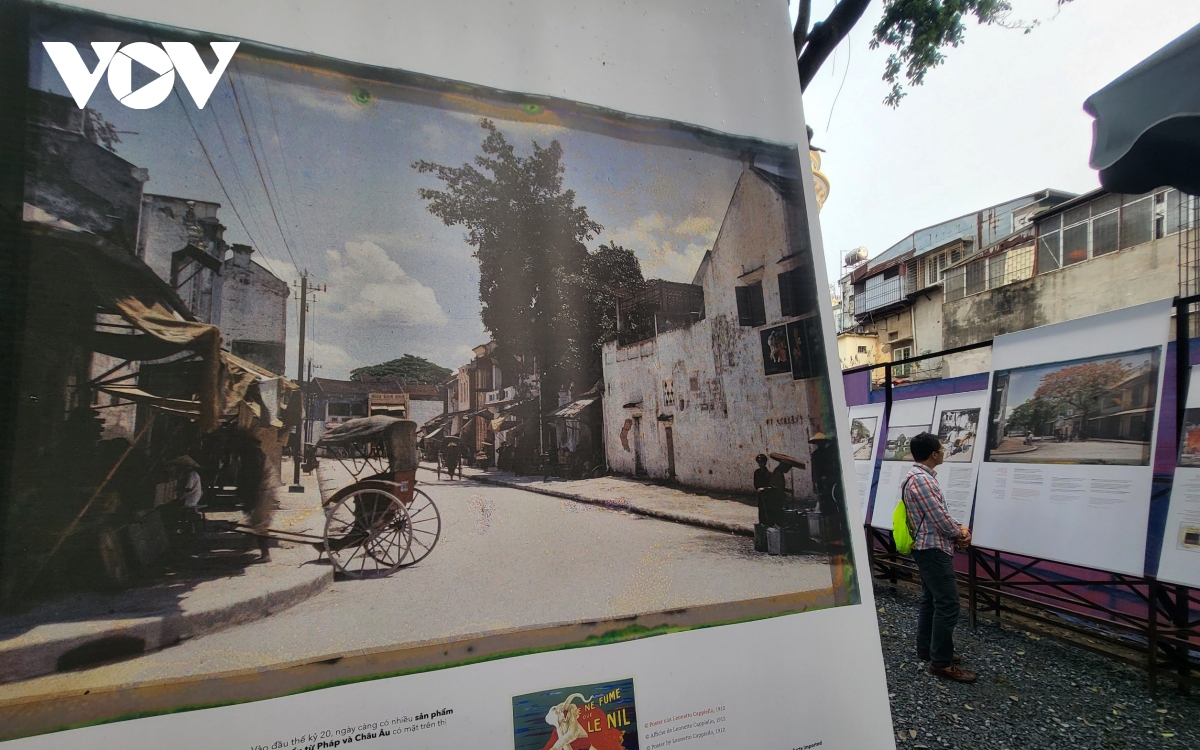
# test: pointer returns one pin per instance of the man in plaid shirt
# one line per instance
(935, 536)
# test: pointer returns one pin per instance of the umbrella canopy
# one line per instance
(1147, 129)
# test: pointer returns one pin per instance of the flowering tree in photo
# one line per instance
(1080, 386)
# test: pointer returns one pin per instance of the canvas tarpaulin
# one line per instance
(186, 335)
(121, 283)
(575, 408)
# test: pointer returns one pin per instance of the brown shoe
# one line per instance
(952, 672)
(956, 659)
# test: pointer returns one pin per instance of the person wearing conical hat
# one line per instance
(188, 487)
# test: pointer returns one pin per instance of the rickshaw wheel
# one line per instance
(367, 533)
(425, 524)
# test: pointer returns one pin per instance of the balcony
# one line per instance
(500, 396)
(880, 292)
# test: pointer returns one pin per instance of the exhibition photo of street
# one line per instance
(610, 376)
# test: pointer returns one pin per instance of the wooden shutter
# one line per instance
(743, 306)
(758, 309)
(787, 301)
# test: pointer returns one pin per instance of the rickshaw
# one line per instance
(381, 522)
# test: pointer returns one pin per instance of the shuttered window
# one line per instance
(751, 310)
(797, 292)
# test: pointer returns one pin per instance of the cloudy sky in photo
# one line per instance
(1001, 118)
(341, 181)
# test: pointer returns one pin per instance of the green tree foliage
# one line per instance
(918, 31)
(1032, 414)
(408, 368)
(543, 293)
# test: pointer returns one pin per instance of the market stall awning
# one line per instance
(435, 433)
(163, 403)
(1147, 129)
(574, 409)
(506, 422)
(119, 282)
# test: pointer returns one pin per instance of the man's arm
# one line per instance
(928, 498)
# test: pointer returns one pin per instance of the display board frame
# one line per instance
(593, 63)
(1109, 482)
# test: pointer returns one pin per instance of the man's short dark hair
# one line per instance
(924, 445)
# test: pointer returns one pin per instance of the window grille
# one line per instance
(1107, 224)
(992, 272)
(1137, 222)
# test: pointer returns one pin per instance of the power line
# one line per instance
(250, 203)
(216, 174)
(261, 145)
(849, 47)
(287, 170)
(258, 166)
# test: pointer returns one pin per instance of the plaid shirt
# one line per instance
(929, 522)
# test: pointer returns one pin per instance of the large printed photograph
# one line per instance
(357, 371)
(1098, 410)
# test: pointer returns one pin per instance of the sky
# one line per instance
(1002, 117)
(344, 204)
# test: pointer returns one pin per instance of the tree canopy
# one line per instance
(1033, 414)
(408, 368)
(1078, 386)
(542, 292)
(918, 31)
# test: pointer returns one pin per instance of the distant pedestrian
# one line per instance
(762, 489)
(935, 536)
(451, 457)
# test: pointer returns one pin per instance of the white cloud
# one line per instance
(333, 361)
(369, 289)
(664, 260)
(668, 249)
(698, 226)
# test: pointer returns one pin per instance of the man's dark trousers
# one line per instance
(938, 613)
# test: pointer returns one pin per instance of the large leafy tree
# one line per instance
(1032, 414)
(543, 293)
(1081, 386)
(408, 368)
(918, 31)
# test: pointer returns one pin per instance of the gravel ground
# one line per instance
(1033, 692)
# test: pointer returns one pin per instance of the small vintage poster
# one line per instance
(775, 351)
(583, 717)
(804, 337)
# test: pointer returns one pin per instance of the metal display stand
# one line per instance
(1160, 625)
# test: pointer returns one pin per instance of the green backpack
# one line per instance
(900, 533)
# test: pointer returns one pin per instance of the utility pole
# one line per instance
(299, 454)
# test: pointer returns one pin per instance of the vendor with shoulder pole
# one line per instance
(935, 536)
